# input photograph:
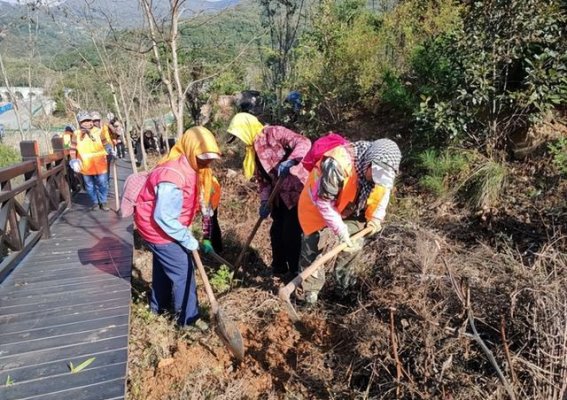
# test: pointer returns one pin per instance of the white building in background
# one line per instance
(20, 93)
(30, 100)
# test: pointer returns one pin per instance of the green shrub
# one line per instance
(506, 69)
(558, 151)
(8, 156)
(444, 170)
(396, 93)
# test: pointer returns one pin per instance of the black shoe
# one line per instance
(104, 207)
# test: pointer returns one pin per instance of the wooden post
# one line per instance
(39, 206)
(59, 147)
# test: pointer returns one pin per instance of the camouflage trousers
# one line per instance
(345, 267)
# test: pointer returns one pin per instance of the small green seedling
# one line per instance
(9, 381)
(81, 366)
(221, 279)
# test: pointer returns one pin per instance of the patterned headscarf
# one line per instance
(384, 151)
(246, 127)
(195, 142)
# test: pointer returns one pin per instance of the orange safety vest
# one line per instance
(215, 193)
(105, 133)
(91, 152)
(310, 217)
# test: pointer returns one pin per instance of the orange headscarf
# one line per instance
(194, 142)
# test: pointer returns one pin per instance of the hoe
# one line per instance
(285, 292)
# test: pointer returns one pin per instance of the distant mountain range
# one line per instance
(62, 23)
(123, 13)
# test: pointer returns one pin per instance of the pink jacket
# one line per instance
(274, 145)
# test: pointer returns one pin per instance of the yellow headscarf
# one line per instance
(194, 142)
(246, 127)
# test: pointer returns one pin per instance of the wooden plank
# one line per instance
(59, 385)
(71, 275)
(99, 391)
(83, 294)
(58, 245)
(63, 308)
(68, 300)
(63, 353)
(58, 367)
(74, 276)
(85, 255)
(57, 286)
(12, 171)
(11, 262)
(32, 267)
(58, 331)
(62, 320)
(107, 329)
(12, 293)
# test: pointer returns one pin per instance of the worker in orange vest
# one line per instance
(105, 130)
(89, 150)
(346, 190)
(212, 235)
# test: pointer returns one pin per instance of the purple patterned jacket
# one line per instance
(274, 145)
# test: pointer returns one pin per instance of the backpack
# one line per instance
(132, 188)
(320, 147)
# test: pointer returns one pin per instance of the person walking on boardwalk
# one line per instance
(72, 178)
(348, 189)
(274, 152)
(164, 212)
(88, 157)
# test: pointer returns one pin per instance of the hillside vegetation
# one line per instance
(463, 294)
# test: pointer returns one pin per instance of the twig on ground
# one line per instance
(507, 350)
(395, 353)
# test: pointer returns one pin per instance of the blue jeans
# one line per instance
(96, 187)
(173, 283)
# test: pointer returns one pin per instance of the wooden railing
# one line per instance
(33, 194)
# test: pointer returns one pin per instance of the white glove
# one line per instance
(75, 165)
(352, 247)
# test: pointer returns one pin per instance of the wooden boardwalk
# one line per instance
(68, 301)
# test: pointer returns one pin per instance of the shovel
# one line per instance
(273, 195)
(288, 289)
(227, 328)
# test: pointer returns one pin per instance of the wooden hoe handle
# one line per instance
(273, 195)
(208, 289)
(286, 291)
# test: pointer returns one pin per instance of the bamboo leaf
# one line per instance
(9, 381)
(81, 366)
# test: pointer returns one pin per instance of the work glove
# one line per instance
(264, 209)
(352, 247)
(190, 243)
(75, 165)
(375, 225)
(284, 167)
(207, 246)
